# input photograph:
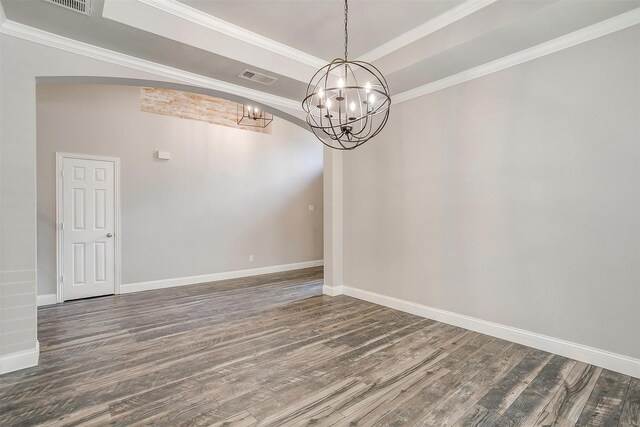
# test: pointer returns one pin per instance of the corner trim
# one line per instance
(603, 28)
(613, 361)
(441, 21)
(48, 299)
(332, 291)
(20, 359)
(205, 278)
(35, 35)
(211, 22)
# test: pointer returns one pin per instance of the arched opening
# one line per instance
(120, 81)
(222, 202)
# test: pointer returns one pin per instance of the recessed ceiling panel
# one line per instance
(546, 23)
(317, 27)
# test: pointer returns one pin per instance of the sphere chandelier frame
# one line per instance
(342, 113)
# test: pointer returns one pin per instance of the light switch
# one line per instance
(312, 208)
(163, 155)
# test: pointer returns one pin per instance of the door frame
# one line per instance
(60, 157)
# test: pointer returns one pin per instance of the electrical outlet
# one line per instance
(312, 208)
(250, 258)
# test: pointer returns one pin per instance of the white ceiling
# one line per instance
(317, 26)
(415, 43)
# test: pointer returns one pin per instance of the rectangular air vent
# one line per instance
(257, 77)
(81, 6)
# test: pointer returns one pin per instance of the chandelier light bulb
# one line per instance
(372, 98)
(249, 108)
(352, 106)
(340, 83)
(321, 93)
(328, 104)
(367, 88)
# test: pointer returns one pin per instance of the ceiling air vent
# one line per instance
(81, 6)
(254, 76)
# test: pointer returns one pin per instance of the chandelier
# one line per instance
(347, 102)
(253, 116)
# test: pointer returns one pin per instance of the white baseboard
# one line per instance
(192, 280)
(332, 291)
(613, 361)
(47, 299)
(20, 359)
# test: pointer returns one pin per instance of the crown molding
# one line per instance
(608, 26)
(199, 17)
(25, 32)
(447, 18)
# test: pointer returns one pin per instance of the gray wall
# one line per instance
(21, 63)
(513, 198)
(225, 194)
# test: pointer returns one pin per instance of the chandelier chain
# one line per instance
(346, 33)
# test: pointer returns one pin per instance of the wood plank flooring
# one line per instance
(272, 350)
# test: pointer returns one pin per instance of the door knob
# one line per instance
(109, 235)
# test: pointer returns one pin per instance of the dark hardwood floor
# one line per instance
(272, 350)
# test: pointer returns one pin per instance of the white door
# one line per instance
(88, 249)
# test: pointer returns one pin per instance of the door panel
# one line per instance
(78, 208)
(79, 264)
(88, 248)
(100, 262)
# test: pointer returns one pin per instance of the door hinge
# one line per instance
(62, 226)
(62, 279)
(62, 173)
